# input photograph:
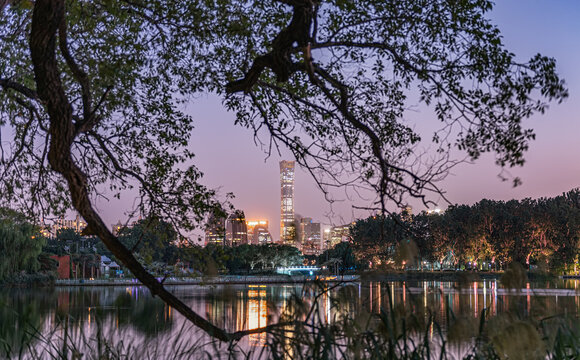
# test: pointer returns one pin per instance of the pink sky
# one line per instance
(231, 161)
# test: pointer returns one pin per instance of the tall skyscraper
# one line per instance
(236, 230)
(215, 230)
(287, 226)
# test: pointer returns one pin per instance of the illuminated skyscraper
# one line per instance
(215, 230)
(287, 226)
(310, 241)
(258, 233)
(236, 231)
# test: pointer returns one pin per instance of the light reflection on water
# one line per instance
(131, 312)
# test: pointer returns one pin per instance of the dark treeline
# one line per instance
(487, 235)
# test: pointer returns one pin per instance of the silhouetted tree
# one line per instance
(92, 91)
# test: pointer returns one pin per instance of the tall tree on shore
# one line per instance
(20, 245)
(543, 232)
(91, 92)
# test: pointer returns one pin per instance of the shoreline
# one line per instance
(446, 276)
(452, 276)
(214, 280)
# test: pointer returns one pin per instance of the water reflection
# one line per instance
(122, 312)
(441, 298)
(257, 315)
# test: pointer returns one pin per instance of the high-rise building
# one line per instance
(262, 235)
(236, 230)
(215, 230)
(258, 232)
(297, 231)
(339, 234)
(310, 240)
(51, 231)
(287, 225)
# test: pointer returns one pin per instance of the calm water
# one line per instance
(128, 317)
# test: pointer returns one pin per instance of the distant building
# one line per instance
(236, 230)
(326, 239)
(63, 268)
(436, 211)
(258, 232)
(262, 235)
(407, 213)
(51, 230)
(215, 230)
(297, 229)
(82, 267)
(287, 225)
(310, 240)
(339, 234)
(116, 228)
(108, 267)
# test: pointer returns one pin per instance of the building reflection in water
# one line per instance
(255, 306)
(240, 307)
(440, 299)
(257, 315)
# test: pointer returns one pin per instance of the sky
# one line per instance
(231, 161)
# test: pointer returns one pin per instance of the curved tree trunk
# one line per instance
(48, 15)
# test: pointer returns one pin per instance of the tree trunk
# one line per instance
(46, 19)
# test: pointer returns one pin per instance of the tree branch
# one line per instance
(9, 84)
(278, 60)
(46, 20)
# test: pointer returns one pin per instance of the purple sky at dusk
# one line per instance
(231, 161)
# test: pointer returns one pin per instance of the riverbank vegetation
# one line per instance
(21, 261)
(541, 234)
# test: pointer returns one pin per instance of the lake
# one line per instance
(128, 320)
